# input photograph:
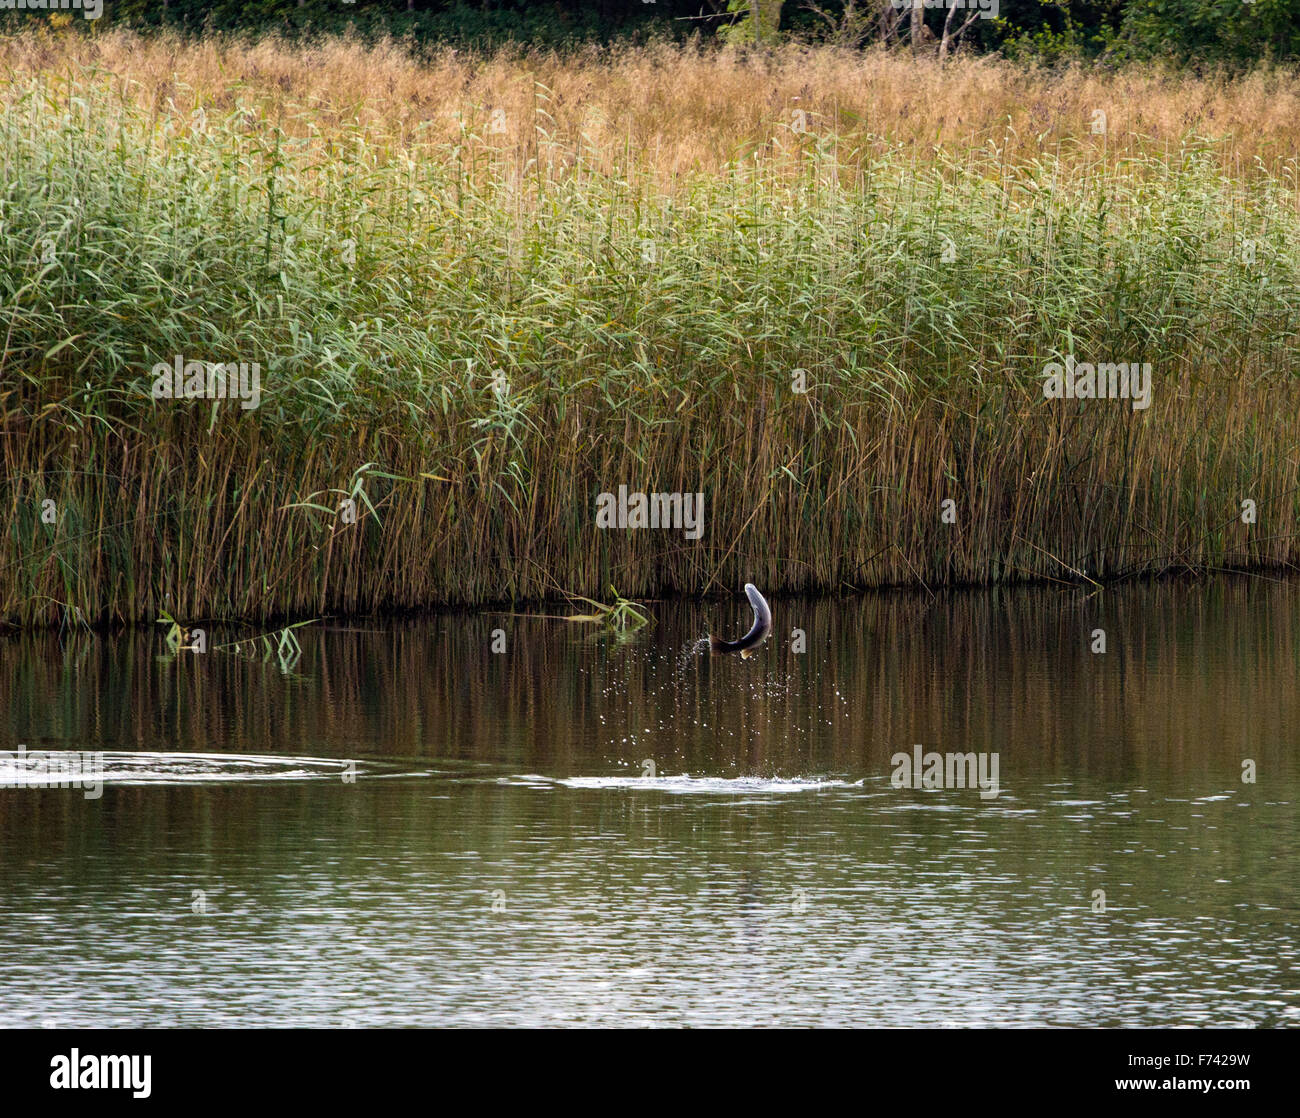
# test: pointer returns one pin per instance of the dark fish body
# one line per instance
(761, 630)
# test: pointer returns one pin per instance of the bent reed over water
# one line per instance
(368, 268)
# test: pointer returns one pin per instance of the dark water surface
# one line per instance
(503, 855)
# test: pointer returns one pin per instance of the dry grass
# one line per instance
(680, 112)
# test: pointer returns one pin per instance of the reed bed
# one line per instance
(469, 327)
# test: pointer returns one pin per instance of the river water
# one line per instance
(405, 827)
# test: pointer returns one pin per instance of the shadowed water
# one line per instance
(407, 828)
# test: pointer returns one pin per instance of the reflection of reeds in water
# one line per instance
(382, 273)
(1195, 679)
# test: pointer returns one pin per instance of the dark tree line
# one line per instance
(1237, 32)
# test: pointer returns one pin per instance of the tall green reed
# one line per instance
(479, 338)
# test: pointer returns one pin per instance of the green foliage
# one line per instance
(758, 21)
(1072, 41)
(482, 24)
(1237, 32)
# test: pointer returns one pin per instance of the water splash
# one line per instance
(685, 784)
(689, 651)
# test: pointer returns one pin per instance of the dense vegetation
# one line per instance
(484, 289)
(1234, 32)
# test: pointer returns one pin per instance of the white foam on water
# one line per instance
(51, 767)
(686, 785)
